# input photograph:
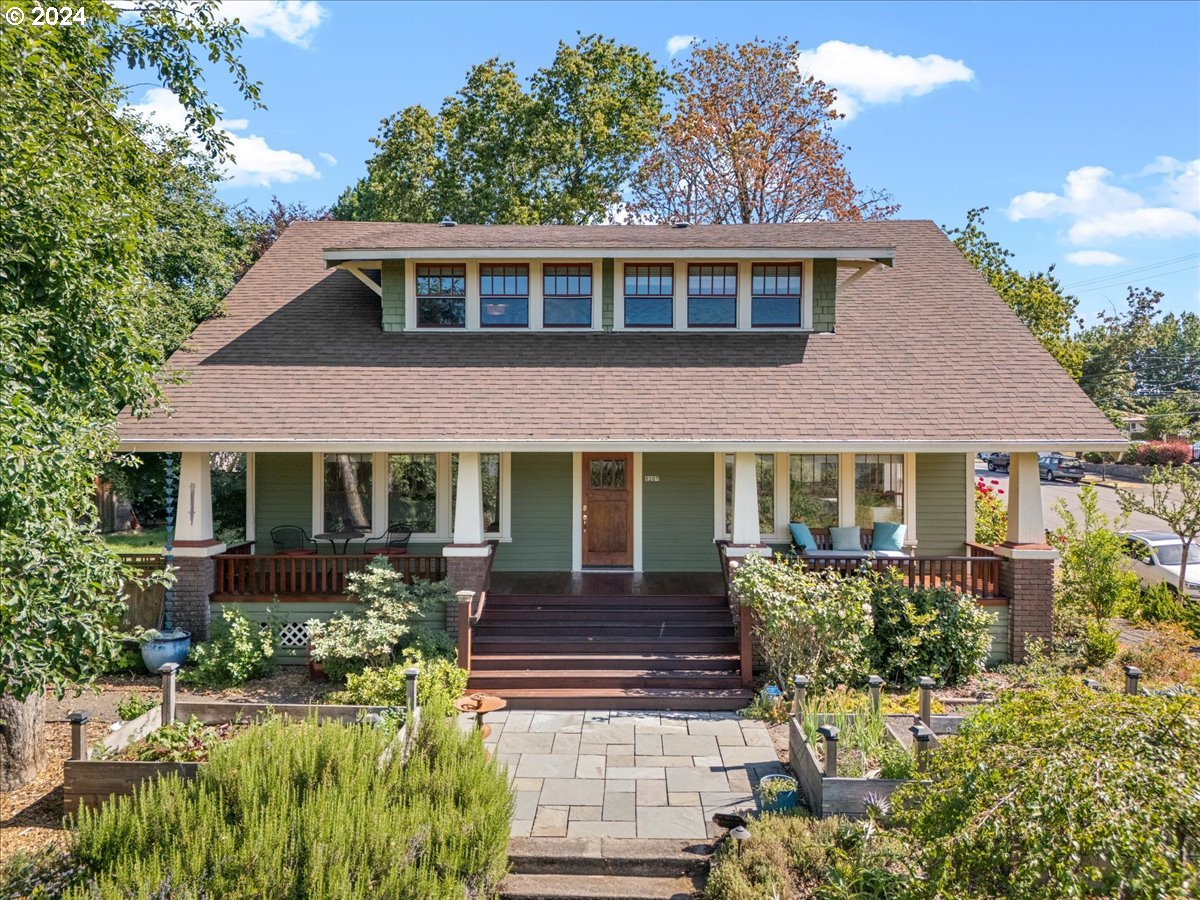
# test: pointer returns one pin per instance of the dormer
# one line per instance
(513, 278)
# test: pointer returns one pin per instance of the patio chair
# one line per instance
(393, 542)
(292, 540)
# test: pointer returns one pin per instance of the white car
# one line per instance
(1155, 556)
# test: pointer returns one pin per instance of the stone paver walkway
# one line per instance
(628, 774)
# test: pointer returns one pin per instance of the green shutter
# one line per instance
(393, 294)
(824, 294)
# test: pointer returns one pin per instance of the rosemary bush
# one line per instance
(309, 811)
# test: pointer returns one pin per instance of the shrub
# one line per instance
(991, 513)
(389, 616)
(1100, 644)
(790, 857)
(240, 651)
(1063, 792)
(48, 873)
(1093, 576)
(926, 631)
(1165, 657)
(1161, 603)
(310, 810)
(807, 622)
(133, 706)
(1163, 453)
(188, 741)
(440, 683)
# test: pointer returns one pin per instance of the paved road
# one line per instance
(1061, 490)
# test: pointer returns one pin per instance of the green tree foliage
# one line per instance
(79, 314)
(1108, 374)
(1093, 577)
(1062, 792)
(496, 152)
(1037, 298)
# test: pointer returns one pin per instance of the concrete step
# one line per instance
(600, 887)
(624, 698)
(608, 856)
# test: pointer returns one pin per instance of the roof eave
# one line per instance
(335, 255)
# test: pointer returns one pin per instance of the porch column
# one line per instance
(745, 536)
(195, 545)
(1027, 561)
(468, 558)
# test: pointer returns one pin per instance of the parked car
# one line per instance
(1155, 556)
(1053, 466)
(997, 462)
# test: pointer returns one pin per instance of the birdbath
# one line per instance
(480, 704)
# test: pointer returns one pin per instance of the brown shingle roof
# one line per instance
(924, 353)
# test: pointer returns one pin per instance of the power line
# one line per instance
(1121, 281)
(1120, 274)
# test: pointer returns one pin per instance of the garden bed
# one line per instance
(90, 781)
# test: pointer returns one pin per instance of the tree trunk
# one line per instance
(22, 749)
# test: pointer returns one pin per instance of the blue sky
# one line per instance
(1078, 125)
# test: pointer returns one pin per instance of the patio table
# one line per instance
(334, 536)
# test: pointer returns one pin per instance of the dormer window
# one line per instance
(441, 296)
(776, 296)
(504, 296)
(648, 296)
(567, 296)
(712, 296)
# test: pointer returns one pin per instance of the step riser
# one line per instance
(685, 704)
(586, 631)
(715, 600)
(663, 867)
(666, 680)
(558, 615)
(533, 663)
(482, 646)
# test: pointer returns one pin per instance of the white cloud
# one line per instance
(679, 42)
(1095, 258)
(254, 162)
(1101, 211)
(329, 158)
(290, 20)
(864, 76)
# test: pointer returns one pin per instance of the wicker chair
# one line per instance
(292, 540)
(393, 542)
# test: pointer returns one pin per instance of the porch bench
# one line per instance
(824, 547)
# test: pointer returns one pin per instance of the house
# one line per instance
(583, 423)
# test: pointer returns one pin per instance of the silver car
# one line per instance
(1155, 557)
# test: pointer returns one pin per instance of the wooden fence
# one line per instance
(245, 577)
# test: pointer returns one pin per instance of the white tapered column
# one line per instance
(468, 501)
(193, 510)
(745, 500)
(1025, 525)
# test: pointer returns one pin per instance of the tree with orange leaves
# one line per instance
(751, 141)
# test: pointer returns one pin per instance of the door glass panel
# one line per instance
(607, 473)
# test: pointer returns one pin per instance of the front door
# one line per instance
(608, 509)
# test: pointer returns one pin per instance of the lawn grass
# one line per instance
(148, 540)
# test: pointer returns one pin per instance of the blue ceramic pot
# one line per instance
(159, 651)
(784, 800)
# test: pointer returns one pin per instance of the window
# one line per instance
(607, 473)
(567, 296)
(765, 473)
(347, 489)
(878, 489)
(775, 296)
(504, 296)
(441, 296)
(489, 472)
(813, 490)
(649, 293)
(412, 491)
(712, 296)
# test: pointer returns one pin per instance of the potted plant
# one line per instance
(170, 644)
(777, 793)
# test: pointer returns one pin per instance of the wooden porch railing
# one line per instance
(978, 576)
(245, 577)
(470, 609)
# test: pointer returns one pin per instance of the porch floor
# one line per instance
(608, 583)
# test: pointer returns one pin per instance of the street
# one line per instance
(1062, 490)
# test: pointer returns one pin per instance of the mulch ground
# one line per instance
(31, 817)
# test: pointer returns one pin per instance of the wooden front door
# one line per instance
(608, 509)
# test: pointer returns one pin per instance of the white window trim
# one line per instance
(445, 497)
(251, 498)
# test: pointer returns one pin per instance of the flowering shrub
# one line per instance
(807, 622)
(440, 683)
(241, 651)
(991, 513)
(388, 617)
(1163, 453)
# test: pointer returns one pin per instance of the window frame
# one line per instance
(665, 269)
(589, 296)
(802, 307)
(417, 297)
(493, 297)
(732, 298)
(319, 489)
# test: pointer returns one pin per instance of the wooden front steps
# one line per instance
(603, 869)
(608, 651)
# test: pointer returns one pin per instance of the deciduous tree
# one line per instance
(751, 140)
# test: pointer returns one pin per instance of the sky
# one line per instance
(1078, 125)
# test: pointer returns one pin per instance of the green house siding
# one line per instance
(999, 634)
(677, 513)
(941, 503)
(824, 294)
(282, 494)
(392, 277)
(541, 515)
(607, 286)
